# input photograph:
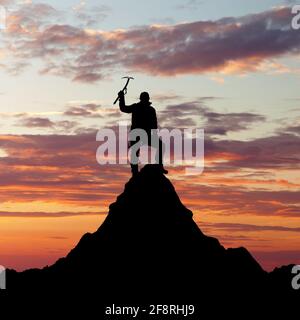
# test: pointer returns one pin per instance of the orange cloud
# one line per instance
(57, 177)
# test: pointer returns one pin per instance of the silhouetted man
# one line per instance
(143, 117)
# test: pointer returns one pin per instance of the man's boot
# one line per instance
(134, 169)
(163, 170)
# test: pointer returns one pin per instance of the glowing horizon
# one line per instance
(233, 71)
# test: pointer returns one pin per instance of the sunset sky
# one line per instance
(231, 67)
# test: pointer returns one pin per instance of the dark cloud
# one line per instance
(65, 125)
(47, 215)
(214, 123)
(293, 129)
(222, 123)
(166, 97)
(281, 151)
(43, 122)
(64, 168)
(92, 110)
(61, 168)
(238, 227)
(36, 122)
(85, 110)
(228, 45)
(236, 197)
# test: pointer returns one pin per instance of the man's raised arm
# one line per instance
(122, 105)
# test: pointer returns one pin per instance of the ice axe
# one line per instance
(125, 87)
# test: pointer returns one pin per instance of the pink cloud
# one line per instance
(64, 168)
(228, 45)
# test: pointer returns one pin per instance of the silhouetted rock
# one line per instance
(149, 246)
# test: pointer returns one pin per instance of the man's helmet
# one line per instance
(144, 97)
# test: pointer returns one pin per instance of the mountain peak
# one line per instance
(149, 244)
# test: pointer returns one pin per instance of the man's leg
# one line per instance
(134, 166)
(160, 152)
(160, 149)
